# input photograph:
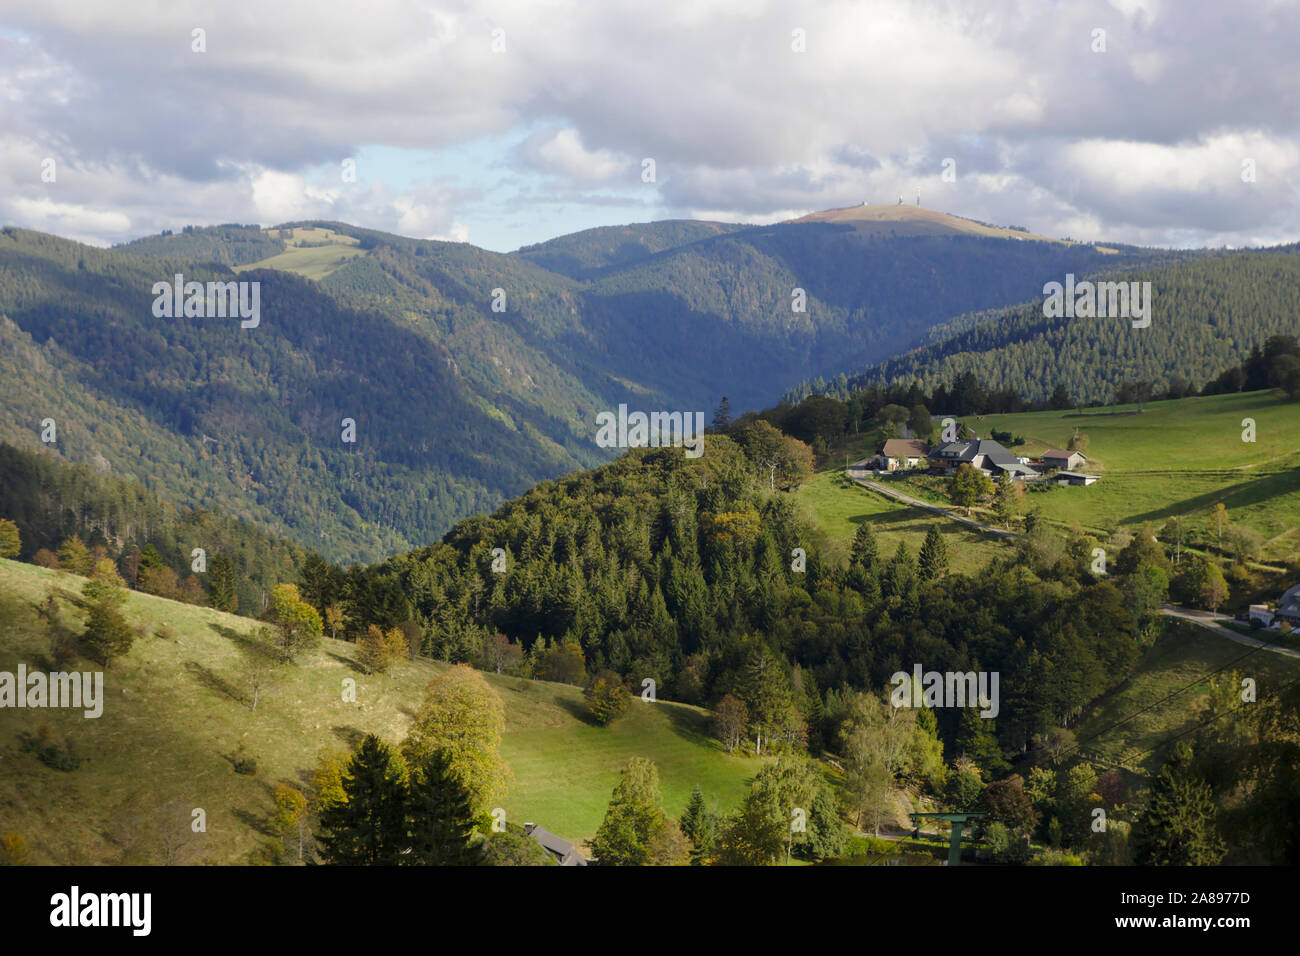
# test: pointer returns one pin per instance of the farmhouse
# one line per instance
(902, 454)
(1056, 460)
(562, 851)
(988, 456)
(1288, 606)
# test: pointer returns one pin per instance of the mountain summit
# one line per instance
(904, 220)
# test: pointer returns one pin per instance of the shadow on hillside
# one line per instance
(213, 681)
(249, 644)
(689, 725)
(255, 823)
(349, 735)
(1236, 496)
(577, 709)
(347, 662)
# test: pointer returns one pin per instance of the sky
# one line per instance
(507, 123)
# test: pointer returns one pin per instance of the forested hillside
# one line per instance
(52, 502)
(250, 421)
(1205, 314)
(469, 375)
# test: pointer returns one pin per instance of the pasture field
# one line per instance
(176, 712)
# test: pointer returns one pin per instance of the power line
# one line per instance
(1079, 743)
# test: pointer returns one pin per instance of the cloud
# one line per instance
(1137, 143)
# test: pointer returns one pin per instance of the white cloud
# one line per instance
(1140, 143)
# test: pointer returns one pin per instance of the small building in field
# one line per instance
(902, 454)
(1075, 478)
(1056, 460)
(1262, 613)
(561, 850)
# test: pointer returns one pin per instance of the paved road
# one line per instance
(859, 471)
(1210, 621)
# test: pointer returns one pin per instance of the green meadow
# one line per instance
(1174, 458)
(840, 505)
(1168, 693)
(176, 713)
(306, 255)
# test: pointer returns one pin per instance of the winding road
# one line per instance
(1209, 621)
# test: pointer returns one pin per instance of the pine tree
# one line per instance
(1178, 827)
(441, 817)
(934, 556)
(700, 826)
(221, 575)
(864, 550)
(369, 827)
(722, 417)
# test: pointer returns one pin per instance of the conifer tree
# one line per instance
(700, 826)
(441, 816)
(864, 549)
(368, 828)
(1178, 826)
(934, 556)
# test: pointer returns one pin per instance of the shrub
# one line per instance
(60, 757)
(244, 762)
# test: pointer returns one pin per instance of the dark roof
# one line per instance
(955, 451)
(970, 450)
(562, 848)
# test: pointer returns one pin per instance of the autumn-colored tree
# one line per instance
(327, 779)
(161, 581)
(463, 716)
(607, 697)
(290, 821)
(13, 850)
(298, 624)
(334, 619)
(372, 653)
(10, 541)
(74, 556)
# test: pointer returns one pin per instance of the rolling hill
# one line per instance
(175, 713)
(457, 404)
(1206, 313)
(1174, 458)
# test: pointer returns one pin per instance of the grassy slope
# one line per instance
(174, 715)
(840, 506)
(1176, 458)
(314, 262)
(1178, 665)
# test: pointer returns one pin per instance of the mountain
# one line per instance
(902, 220)
(1205, 314)
(470, 375)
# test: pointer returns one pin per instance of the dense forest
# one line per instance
(1204, 314)
(458, 404)
(52, 503)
